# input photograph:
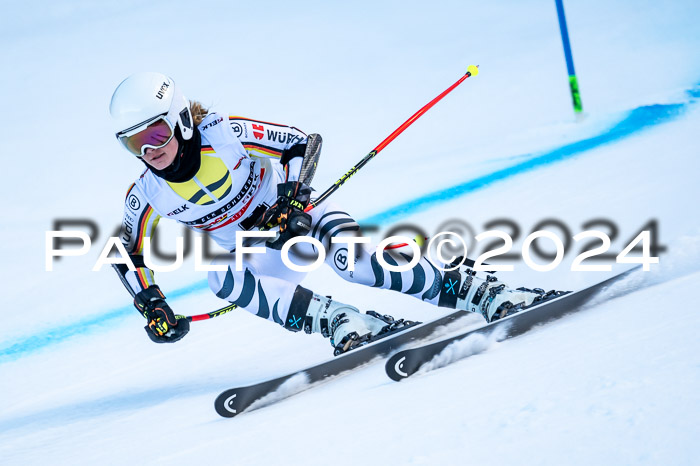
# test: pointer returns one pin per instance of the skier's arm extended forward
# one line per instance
(139, 222)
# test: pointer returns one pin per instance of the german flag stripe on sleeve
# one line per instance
(129, 190)
(145, 277)
(262, 149)
(143, 227)
(256, 121)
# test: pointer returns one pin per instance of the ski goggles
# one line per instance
(152, 134)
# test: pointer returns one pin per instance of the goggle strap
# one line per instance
(143, 124)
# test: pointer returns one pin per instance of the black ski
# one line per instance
(234, 401)
(407, 362)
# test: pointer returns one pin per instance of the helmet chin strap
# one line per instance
(187, 161)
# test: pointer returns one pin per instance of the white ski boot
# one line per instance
(493, 299)
(346, 326)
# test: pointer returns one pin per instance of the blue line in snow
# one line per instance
(35, 342)
(635, 121)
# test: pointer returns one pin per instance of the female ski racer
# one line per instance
(221, 174)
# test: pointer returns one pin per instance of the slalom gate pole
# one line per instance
(472, 70)
(573, 82)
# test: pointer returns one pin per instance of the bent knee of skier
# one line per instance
(264, 295)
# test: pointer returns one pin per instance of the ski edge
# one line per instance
(397, 371)
(234, 401)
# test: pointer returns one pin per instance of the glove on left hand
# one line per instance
(163, 326)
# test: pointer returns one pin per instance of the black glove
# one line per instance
(162, 325)
(288, 213)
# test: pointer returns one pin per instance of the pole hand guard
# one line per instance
(311, 157)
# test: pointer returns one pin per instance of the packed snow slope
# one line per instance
(617, 383)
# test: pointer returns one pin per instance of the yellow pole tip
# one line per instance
(473, 70)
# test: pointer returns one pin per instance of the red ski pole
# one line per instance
(472, 70)
(209, 315)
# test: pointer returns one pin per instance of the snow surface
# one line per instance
(617, 383)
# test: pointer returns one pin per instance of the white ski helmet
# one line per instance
(146, 99)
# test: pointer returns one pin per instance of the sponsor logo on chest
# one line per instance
(179, 210)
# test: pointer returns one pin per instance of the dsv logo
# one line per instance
(341, 259)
